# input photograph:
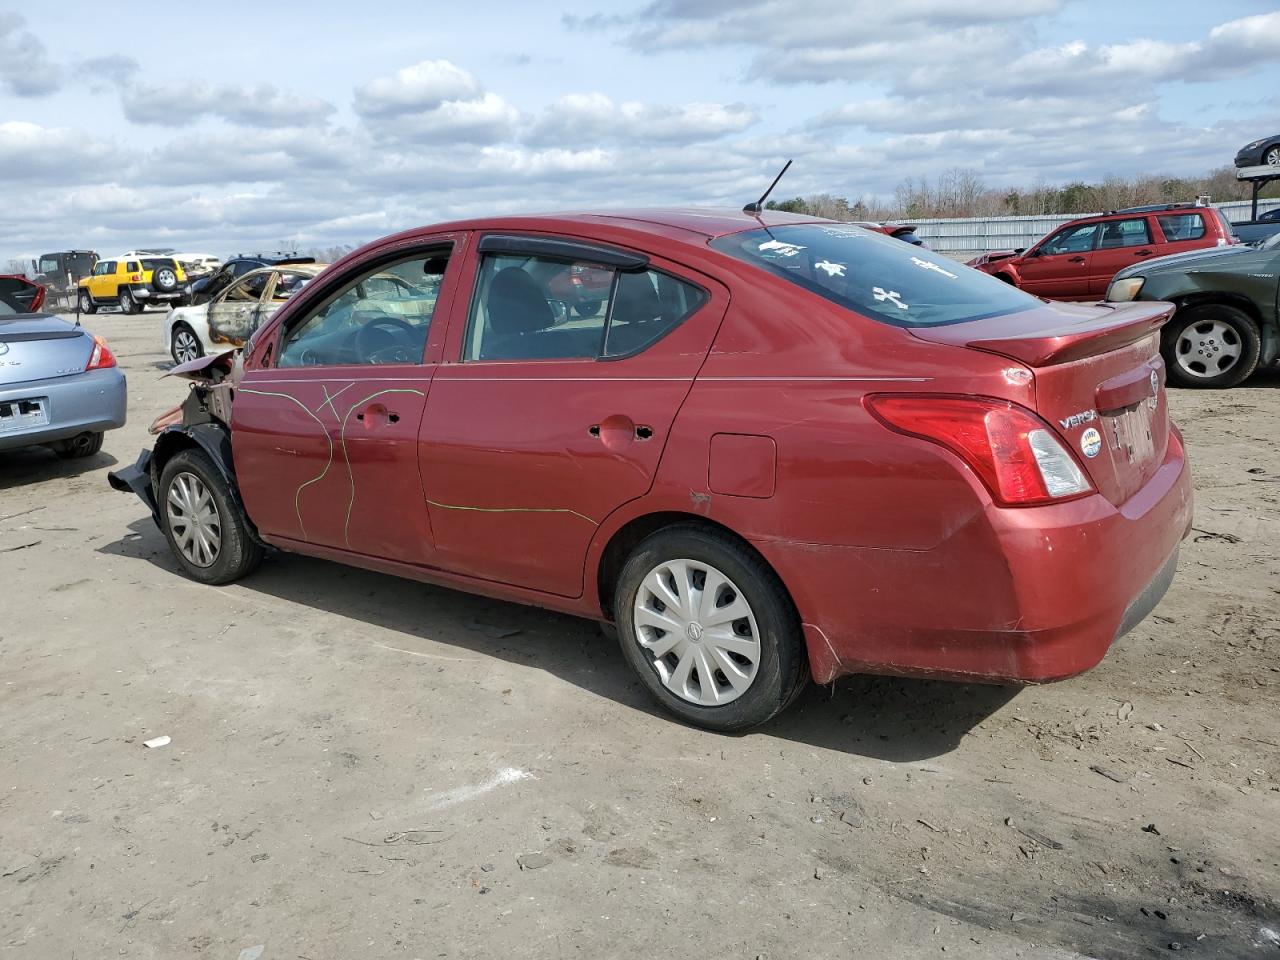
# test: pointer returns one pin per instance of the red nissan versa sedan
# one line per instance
(782, 448)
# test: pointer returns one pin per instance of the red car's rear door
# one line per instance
(1121, 243)
(531, 439)
(325, 437)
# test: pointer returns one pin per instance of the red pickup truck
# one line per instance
(1078, 260)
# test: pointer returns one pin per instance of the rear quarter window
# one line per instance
(874, 275)
(1177, 227)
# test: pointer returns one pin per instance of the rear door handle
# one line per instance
(1143, 253)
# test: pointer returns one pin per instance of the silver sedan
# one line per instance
(59, 384)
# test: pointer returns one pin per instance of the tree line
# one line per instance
(962, 193)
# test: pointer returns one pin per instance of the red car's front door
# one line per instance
(325, 437)
(552, 420)
(1058, 268)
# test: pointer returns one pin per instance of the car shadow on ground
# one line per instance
(886, 718)
(37, 464)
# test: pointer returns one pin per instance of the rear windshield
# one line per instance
(875, 275)
(153, 263)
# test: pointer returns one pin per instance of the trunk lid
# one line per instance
(1099, 381)
(41, 348)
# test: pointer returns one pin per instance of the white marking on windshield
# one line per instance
(930, 265)
(832, 269)
(881, 295)
(783, 249)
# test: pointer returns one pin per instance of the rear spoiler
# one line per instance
(1071, 332)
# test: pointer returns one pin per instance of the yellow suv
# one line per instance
(133, 283)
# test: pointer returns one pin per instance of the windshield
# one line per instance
(875, 275)
(155, 264)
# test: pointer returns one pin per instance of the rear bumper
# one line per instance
(90, 402)
(1029, 595)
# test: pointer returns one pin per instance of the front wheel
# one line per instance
(86, 303)
(206, 529)
(184, 346)
(709, 629)
(1212, 346)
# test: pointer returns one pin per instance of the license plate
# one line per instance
(22, 414)
(1133, 433)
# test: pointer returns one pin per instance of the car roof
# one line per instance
(703, 222)
(311, 268)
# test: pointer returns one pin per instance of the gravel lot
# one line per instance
(363, 767)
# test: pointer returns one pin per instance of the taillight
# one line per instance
(1012, 450)
(101, 356)
(135, 277)
(38, 301)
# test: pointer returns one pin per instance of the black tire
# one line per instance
(164, 279)
(238, 554)
(86, 302)
(128, 304)
(782, 670)
(1231, 324)
(587, 308)
(81, 445)
(1271, 155)
(179, 330)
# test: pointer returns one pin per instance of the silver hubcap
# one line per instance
(1273, 156)
(185, 347)
(699, 630)
(1209, 348)
(166, 278)
(194, 520)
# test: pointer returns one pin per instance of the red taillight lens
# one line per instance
(1012, 450)
(101, 356)
(135, 277)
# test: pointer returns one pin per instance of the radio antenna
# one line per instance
(759, 204)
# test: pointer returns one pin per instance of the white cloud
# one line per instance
(579, 119)
(421, 87)
(25, 67)
(181, 104)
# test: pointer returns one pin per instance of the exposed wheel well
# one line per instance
(631, 534)
(1006, 278)
(1241, 303)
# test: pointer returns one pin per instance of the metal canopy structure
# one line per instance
(1258, 177)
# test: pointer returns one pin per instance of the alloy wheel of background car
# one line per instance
(184, 346)
(1213, 345)
(1272, 156)
(193, 489)
(127, 303)
(193, 518)
(86, 303)
(699, 630)
(709, 628)
(164, 280)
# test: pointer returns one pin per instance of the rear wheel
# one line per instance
(1272, 155)
(1213, 345)
(207, 532)
(709, 629)
(128, 304)
(86, 303)
(184, 345)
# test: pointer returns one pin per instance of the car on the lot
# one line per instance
(249, 300)
(207, 287)
(1227, 321)
(133, 282)
(1260, 153)
(59, 384)
(1077, 260)
(197, 265)
(783, 448)
(60, 274)
(20, 294)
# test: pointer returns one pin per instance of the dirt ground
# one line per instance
(364, 767)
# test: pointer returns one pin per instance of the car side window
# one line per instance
(1124, 233)
(544, 308)
(381, 316)
(1078, 239)
(132, 267)
(243, 290)
(1182, 226)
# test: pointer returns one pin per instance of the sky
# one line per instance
(256, 126)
